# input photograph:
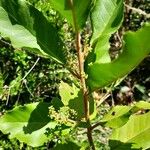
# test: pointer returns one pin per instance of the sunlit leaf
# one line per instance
(26, 27)
(135, 131)
(136, 48)
(72, 96)
(28, 123)
(106, 18)
(117, 117)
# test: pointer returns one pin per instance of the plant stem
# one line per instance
(82, 77)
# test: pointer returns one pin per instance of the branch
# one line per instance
(82, 76)
(137, 10)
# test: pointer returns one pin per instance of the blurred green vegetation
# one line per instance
(41, 84)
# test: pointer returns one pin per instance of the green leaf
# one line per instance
(135, 49)
(81, 9)
(136, 131)
(72, 96)
(143, 105)
(28, 28)
(67, 92)
(65, 146)
(106, 17)
(117, 117)
(28, 123)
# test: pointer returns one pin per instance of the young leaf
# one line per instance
(80, 8)
(28, 28)
(28, 123)
(136, 131)
(136, 48)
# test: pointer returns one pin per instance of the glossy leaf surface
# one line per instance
(26, 27)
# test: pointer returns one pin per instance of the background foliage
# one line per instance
(42, 83)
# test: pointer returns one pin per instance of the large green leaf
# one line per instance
(136, 48)
(106, 18)
(135, 131)
(81, 9)
(28, 28)
(28, 123)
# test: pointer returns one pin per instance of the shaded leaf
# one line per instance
(15, 85)
(1, 85)
(136, 48)
(28, 123)
(28, 28)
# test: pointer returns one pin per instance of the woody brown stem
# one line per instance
(82, 77)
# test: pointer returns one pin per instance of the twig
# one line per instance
(25, 83)
(96, 125)
(9, 89)
(5, 42)
(31, 69)
(137, 10)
